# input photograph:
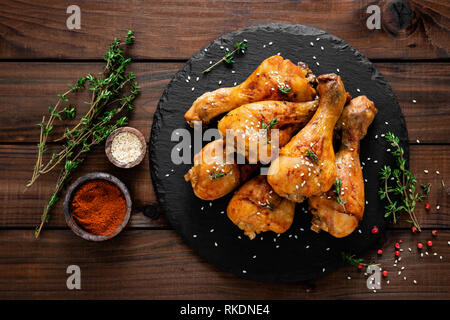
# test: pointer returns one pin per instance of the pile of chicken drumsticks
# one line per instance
(286, 103)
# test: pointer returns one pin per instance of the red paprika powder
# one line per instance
(98, 207)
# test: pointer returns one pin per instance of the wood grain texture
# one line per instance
(176, 29)
(22, 210)
(156, 264)
(26, 94)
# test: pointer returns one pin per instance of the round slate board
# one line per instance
(299, 254)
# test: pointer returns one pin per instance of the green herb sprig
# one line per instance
(337, 190)
(402, 196)
(270, 125)
(313, 156)
(112, 94)
(240, 47)
(268, 206)
(355, 261)
(216, 175)
(285, 89)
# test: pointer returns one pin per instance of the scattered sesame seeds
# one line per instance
(193, 89)
(426, 171)
(215, 243)
(312, 44)
(244, 271)
(418, 141)
(270, 43)
(414, 101)
(194, 236)
(358, 90)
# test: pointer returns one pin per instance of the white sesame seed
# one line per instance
(270, 43)
(426, 171)
(414, 101)
(312, 44)
(194, 236)
(244, 271)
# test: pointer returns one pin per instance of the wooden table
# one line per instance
(40, 56)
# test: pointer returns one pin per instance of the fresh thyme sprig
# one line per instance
(285, 89)
(216, 175)
(337, 190)
(268, 206)
(240, 47)
(270, 125)
(112, 95)
(313, 156)
(404, 188)
(355, 261)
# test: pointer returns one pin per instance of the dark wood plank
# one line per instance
(178, 28)
(27, 89)
(156, 264)
(423, 92)
(22, 210)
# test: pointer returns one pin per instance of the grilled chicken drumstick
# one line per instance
(255, 208)
(264, 83)
(340, 216)
(306, 165)
(251, 126)
(211, 176)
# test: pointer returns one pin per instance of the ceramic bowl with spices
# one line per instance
(97, 206)
(125, 147)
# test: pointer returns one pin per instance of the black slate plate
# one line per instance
(299, 254)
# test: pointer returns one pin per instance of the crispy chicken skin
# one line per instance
(211, 177)
(262, 84)
(255, 208)
(249, 126)
(341, 220)
(306, 165)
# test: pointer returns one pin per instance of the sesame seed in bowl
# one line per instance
(125, 147)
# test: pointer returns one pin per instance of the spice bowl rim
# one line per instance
(79, 231)
(109, 141)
